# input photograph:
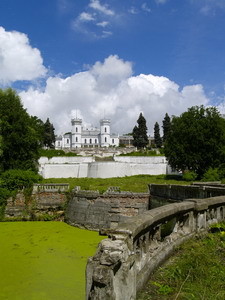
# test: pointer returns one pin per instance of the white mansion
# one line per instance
(87, 137)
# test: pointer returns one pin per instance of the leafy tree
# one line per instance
(19, 140)
(49, 135)
(157, 137)
(196, 141)
(140, 133)
(166, 127)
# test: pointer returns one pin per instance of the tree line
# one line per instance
(193, 143)
(21, 135)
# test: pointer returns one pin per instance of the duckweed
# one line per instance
(44, 260)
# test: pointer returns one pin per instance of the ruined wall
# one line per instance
(124, 261)
(45, 200)
(91, 210)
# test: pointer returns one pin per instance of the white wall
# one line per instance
(65, 167)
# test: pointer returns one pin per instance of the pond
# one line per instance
(44, 260)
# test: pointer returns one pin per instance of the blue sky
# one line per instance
(113, 58)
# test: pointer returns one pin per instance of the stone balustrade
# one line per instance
(132, 251)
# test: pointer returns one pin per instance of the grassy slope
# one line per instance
(196, 271)
(138, 183)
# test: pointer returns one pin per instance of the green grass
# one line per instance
(196, 271)
(138, 183)
(44, 260)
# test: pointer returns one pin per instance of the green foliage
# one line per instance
(184, 275)
(196, 140)
(18, 179)
(189, 175)
(19, 142)
(49, 135)
(4, 195)
(157, 137)
(166, 127)
(211, 175)
(140, 133)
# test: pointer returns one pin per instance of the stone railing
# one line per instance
(124, 261)
(182, 192)
(51, 187)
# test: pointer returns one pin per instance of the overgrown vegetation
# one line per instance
(137, 183)
(196, 271)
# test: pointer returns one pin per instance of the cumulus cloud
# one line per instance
(110, 89)
(18, 60)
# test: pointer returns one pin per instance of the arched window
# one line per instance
(105, 129)
(85, 141)
(113, 141)
(76, 139)
(95, 141)
(76, 129)
(105, 139)
(90, 141)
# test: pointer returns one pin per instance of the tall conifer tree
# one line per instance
(140, 133)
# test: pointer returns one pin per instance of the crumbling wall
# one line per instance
(92, 210)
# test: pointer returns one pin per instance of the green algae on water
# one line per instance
(44, 260)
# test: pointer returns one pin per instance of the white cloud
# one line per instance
(95, 4)
(102, 24)
(84, 16)
(18, 60)
(108, 88)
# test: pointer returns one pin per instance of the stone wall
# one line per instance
(124, 261)
(181, 192)
(65, 167)
(89, 209)
(45, 200)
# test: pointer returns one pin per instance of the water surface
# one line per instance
(44, 260)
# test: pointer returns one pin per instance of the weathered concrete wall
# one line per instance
(65, 167)
(91, 210)
(181, 192)
(125, 260)
(47, 199)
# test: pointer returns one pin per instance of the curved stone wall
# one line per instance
(125, 260)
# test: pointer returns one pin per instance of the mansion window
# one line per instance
(105, 129)
(105, 139)
(76, 139)
(76, 129)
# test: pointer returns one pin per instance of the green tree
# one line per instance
(166, 127)
(19, 140)
(157, 137)
(49, 135)
(196, 141)
(140, 133)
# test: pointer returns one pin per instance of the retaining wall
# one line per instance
(65, 167)
(89, 209)
(124, 261)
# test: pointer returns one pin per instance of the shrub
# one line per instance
(18, 179)
(211, 175)
(189, 175)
